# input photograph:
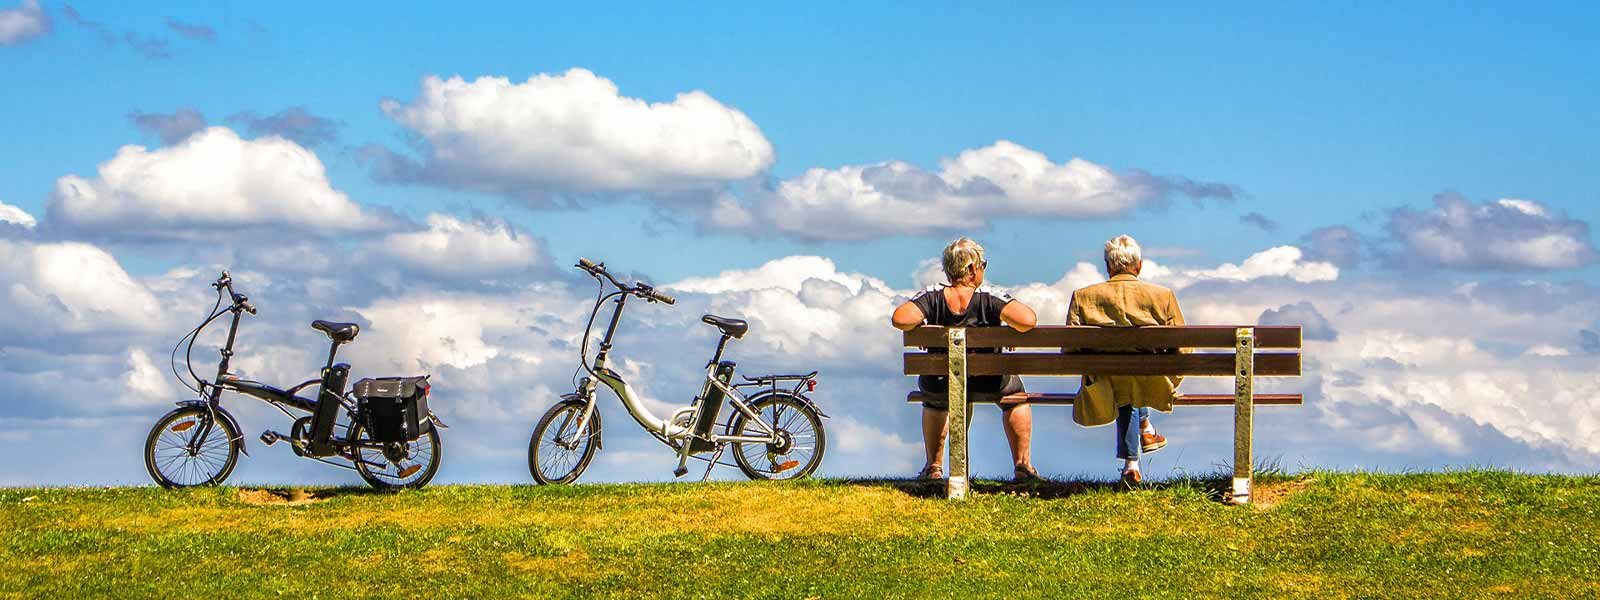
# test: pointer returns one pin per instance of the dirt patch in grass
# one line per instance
(1268, 495)
(289, 497)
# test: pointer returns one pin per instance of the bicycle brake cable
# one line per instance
(172, 358)
(583, 348)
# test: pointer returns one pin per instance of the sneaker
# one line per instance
(1026, 475)
(931, 473)
(1151, 442)
(1131, 477)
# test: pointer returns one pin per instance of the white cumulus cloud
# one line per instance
(1504, 235)
(1281, 261)
(968, 191)
(23, 23)
(451, 248)
(212, 179)
(72, 288)
(575, 132)
(16, 216)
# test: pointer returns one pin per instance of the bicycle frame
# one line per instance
(673, 429)
(283, 399)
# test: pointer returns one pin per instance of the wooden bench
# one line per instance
(1109, 351)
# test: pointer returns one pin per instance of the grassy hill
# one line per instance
(1449, 535)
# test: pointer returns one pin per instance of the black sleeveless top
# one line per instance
(982, 311)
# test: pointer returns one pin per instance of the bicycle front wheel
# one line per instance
(191, 446)
(558, 453)
(801, 441)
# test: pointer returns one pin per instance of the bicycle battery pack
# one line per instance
(711, 401)
(393, 409)
(327, 410)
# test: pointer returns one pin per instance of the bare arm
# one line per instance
(907, 317)
(1018, 316)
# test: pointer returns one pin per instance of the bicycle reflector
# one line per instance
(811, 385)
(182, 427)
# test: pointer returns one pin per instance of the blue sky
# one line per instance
(1319, 115)
(1314, 116)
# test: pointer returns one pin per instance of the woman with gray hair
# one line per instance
(966, 302)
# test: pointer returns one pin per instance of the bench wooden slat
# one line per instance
(1268, 364)
(916, 397)
(1091, 338)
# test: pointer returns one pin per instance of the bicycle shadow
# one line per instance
(300, 496)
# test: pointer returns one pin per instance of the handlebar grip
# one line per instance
(586, 264)
(244, 302)
(660, 297)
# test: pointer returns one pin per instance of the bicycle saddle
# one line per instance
(734, 328)
(338, 332)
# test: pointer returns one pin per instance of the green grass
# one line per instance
(1440, 535)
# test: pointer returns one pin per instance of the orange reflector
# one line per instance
(784, 466)
(409, 471)
(184, 426)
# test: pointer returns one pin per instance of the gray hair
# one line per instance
(960, 256)
(1122, 254)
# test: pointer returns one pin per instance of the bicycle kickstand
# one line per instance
(683, 459)
(711, 464)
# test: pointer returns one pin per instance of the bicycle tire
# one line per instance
(808, 461)
(542, 454)
(172, 469)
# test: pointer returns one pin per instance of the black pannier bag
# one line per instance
(393, 409)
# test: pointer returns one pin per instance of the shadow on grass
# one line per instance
(1215, 485)
(1214, 488)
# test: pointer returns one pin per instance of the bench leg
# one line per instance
(1243, 413)
(957, 487)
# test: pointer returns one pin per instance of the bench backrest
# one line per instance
(1111, 350)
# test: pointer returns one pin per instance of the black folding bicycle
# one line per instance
(380, 428)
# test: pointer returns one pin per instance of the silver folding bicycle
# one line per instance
(775, 432)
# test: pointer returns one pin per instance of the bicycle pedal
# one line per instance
(269, 438)
(680, 471)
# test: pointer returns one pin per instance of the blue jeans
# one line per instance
(1128, 442)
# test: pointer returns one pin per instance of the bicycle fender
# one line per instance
(803, 398)
(226, 416)
(599, 429)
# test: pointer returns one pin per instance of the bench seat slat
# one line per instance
(1109, 338)
(1267, 364)
(916, 397)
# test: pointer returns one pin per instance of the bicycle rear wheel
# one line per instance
(397, 466)
(557, 452)
(176, 459)
(801, 440)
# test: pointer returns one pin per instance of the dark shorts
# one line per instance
(931, 384)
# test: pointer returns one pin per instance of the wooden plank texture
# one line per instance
(1110, 338)
(1069, 399)
(1267, 364)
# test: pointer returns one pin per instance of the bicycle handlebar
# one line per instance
(639, 289)
(659, 297)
